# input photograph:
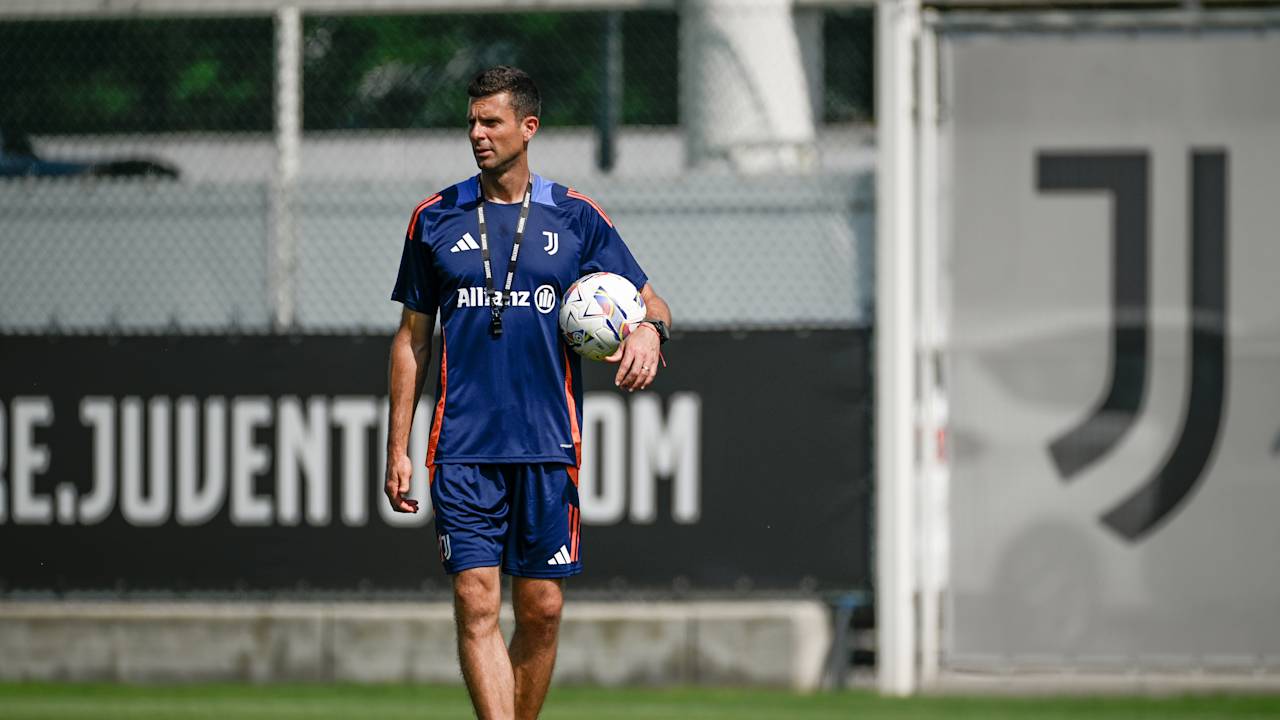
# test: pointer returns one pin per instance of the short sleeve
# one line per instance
(416, 282)
(604, 249)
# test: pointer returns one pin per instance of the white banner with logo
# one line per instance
(1112, 251)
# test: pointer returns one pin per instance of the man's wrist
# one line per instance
(644, 324)
(659, 327)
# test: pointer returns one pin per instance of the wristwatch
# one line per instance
(663, 333)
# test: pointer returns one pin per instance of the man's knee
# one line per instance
(538, 607)
(477, 598)
(540, 615)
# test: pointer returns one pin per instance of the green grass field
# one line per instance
(316, 702)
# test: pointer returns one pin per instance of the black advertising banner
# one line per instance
(190, 464)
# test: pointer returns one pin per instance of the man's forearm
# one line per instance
(656, 309)
(405, 375)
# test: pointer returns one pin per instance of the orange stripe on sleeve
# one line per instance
(418, 211)
(579, 196)
(438, 420)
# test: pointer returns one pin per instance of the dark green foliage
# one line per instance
(849, 39)
(374, 72)
(412, 71)
(136, 75)
(651, 52)
(406, 72)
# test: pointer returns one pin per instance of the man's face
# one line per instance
(497, 136)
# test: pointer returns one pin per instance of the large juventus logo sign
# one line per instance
(1125, 176)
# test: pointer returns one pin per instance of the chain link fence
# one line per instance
(141, 167)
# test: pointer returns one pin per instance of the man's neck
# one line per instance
(506, 185)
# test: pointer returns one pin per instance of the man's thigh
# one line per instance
(472, 511)
(544, 539)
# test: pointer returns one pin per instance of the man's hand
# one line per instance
(399, 479)
(637, 358)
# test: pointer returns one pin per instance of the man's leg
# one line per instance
(537, 605)
(486, 667)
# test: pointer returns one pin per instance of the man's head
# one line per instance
(522, 94)
(502, 116)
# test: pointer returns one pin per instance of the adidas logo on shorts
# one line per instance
(561, 557)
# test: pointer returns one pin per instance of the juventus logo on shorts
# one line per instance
(446, 548)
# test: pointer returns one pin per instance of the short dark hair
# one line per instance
(525, 99)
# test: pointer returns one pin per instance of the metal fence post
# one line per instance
(610, 115)
(897, 30)
(932, 516)
(282, 255)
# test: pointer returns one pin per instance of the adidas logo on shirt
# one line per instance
(561, 557)
(466, 243)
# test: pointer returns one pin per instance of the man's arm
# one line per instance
(656, 308)
(410, 356)
(638, 356)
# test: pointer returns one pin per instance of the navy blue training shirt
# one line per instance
(517, 397)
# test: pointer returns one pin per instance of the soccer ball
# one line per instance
(598, 312)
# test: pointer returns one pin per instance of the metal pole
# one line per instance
(281, 256)
(897, 23)
(611, 93)
(931, 468)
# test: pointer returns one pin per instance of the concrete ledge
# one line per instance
(1124, 682)
(769, 643)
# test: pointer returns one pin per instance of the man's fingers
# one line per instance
(641, 373)
(404, 505)
(632, 376)
(625, 364)
(626, 372)
(649, 376)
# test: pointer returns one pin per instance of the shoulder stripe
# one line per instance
(579, 196)
(418, 211)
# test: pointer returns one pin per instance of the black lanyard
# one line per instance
(497, 298)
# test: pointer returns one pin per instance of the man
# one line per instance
(493, 254)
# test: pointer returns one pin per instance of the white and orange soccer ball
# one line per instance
(598, 312)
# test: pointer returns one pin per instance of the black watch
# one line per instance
(663, 333)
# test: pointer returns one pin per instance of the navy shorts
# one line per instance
(524, 519)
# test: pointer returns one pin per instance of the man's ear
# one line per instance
(529, 126)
